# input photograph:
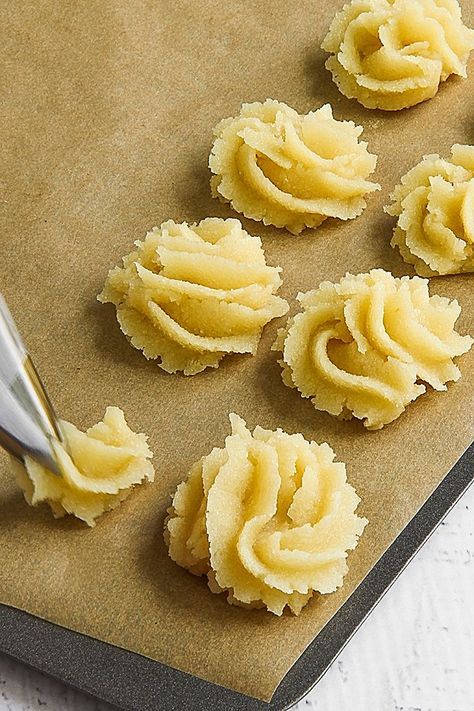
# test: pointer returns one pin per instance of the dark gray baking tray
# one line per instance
(135, 683)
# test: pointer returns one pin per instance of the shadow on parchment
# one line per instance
(382, 254)
(14, 511)
(112, 343)
(194, 191)
(324, 89)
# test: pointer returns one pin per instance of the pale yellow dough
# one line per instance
(290, 170)
(269, 519)
(361, 346)
(435, 209)
(99, 469)
(392, 54)
(190, 294)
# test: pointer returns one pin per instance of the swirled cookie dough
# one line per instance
(435, 209)
(290, 170)
(99, 468)
(269, 519)
(190, 294)
(391, 54)
(361, 346)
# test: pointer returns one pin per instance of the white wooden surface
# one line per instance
(414, 653)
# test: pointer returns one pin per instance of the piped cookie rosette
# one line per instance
(269, 518)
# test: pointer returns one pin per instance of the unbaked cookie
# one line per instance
(364, 347)
(391, 54)
(291, 170)
(269, 519)
(434, 205)
(99, 469)
(190, 294)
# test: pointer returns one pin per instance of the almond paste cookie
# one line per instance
(190, 294)
(364, 347)
(291, 170)
(268, 518)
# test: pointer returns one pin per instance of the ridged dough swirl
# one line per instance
(360, 346)
(290, 170)
(98, 469)
(435, 209)
(269, 518)
(392, 54)
(191, 294)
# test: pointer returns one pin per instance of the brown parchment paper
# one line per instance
(107, 110)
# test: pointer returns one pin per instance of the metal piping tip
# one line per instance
(28, 424)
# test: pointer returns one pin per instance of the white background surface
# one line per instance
(414, 653)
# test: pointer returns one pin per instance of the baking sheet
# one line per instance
(105, 127)
(140, 684)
